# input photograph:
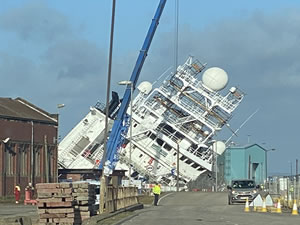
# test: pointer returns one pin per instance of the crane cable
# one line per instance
(176, 36)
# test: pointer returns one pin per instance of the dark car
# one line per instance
(240, 190)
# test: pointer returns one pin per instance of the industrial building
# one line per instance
(28, 146)
(243, 162)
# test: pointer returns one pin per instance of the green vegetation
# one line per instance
(145, 199)
(9, 199)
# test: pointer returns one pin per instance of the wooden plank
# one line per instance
(46, 186)
(49, 190)
(53, 215)
(43, 200)
(59, 204)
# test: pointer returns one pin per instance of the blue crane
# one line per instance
(120, 126)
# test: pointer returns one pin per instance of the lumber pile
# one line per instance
(65, 203)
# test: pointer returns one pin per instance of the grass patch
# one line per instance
(145, 199)
(148, 200)
(8, 199)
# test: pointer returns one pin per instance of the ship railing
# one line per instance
(165, 90)
(205, 155)
(168, 134)
(137, 167)
(139, 137)
(180, 127)
(185, 119)
(219, 99)
(191, 109)
(150, 103)
(196, 113)
(100, 106)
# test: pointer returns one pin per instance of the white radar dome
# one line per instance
(219, 147)
(145, 87)
(215, 78)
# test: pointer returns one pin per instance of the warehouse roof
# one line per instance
(245, 147)
(20, 109)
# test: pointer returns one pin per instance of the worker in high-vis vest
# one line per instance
(156, 192)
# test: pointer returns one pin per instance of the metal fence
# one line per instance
(286, 188)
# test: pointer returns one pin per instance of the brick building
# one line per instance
(28, 145)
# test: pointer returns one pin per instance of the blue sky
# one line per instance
(56, 52)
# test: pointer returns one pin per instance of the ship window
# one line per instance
(175, 154)
(188, 161)
(166, 180)
(194, 146)
(152, 136)
(94, 148)
(167, 147)
(135, 125)
(195, 165)
(182, 158)
(159, 141)
(141, 155)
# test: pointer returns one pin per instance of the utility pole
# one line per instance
(103, 179)
(177, 186)
(297, 181)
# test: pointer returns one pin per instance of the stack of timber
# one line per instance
(84, 196)
(121, 197)
(65, 203)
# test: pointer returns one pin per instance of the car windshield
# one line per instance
(243, 184)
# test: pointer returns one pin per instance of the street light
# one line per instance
(128, 82)
(59, 106)
(266, 156)
(217, 147)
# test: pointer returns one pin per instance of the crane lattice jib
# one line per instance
(114, 138)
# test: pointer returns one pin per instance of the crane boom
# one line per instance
(115, 139)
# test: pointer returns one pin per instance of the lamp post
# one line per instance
(216, 165)
(177, 184)
(215, 161)
(290, 179)
(266, 156)
(128, 82)
(59, 106)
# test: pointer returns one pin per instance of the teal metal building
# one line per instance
(246, 162)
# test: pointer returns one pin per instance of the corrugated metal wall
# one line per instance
(247, 162)
(20, 161)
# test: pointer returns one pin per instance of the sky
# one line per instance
(54, 52)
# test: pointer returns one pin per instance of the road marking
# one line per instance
(163, 197)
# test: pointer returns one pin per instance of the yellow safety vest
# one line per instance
(156, 189)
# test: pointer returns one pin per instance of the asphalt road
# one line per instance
(204, 208)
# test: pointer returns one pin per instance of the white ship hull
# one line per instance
(182, 114)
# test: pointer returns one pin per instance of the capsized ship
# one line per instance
(182, 115)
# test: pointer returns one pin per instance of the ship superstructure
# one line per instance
(182, 115)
